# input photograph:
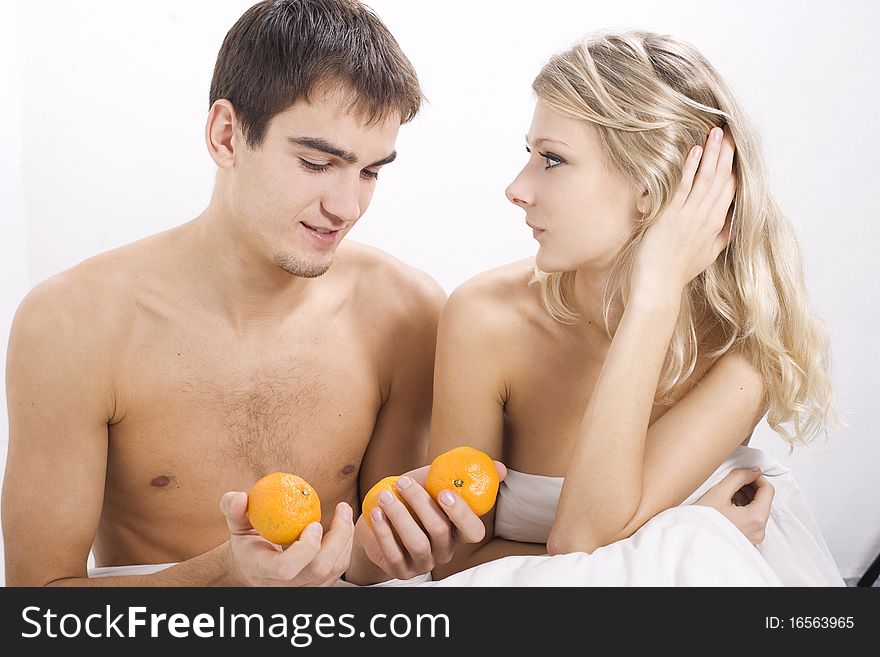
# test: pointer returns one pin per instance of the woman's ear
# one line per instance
(643, 202)
(220, 133)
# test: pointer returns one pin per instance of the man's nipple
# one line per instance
(162, 481)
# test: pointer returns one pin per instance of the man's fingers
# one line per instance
(299, 554)
(341, 530)
(234, 508)
(501, 469)
(335, 548)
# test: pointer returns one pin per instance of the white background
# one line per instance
(102, 109)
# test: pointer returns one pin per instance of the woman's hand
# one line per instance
(744, 498)
(406, 542)
(695, 228)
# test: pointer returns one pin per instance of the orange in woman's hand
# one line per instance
(468, 472)
(281, 505)
(371, 499)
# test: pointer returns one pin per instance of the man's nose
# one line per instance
(343, 199)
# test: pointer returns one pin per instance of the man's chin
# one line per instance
(301, 268)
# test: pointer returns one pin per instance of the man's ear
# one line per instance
(220, 133)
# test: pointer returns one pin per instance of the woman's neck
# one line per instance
(588, 291)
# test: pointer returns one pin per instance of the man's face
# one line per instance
(297, 195)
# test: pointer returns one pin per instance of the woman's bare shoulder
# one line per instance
(507, 284)
(499, 300)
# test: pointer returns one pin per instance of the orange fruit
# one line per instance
(468, 472)
(281, 505)
(371, 499)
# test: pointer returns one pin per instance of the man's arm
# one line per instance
(60, 397)
(400, 437)
(60, 400)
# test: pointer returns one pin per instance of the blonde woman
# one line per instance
(620, 373)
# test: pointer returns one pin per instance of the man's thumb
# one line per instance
(234, 507)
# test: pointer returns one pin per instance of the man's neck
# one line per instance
(230, 278)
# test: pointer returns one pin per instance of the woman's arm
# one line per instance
(469, 389)
(622, 472)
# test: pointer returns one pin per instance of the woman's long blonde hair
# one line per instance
(652, 97)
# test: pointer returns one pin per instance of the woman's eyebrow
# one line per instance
(548, 140)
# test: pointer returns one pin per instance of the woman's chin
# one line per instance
(549, 264)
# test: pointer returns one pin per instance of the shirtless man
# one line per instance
(146, 382)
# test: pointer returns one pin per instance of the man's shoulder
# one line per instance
(90, 293)
(384, 281)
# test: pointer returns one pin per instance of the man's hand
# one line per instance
(310, 561)
(744, 498)
(424, 541)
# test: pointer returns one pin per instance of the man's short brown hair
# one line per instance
(280, 51)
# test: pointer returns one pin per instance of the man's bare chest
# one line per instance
(204, 414)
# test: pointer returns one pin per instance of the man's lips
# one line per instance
(321, 230)
(325, 237)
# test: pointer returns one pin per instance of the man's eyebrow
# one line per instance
(385, 160)
(547, 140)
(320, 144)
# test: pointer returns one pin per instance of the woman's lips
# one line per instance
(535, 231)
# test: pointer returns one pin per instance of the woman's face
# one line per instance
(580, 209)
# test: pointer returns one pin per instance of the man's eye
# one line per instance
(369, 175)
(312, 166)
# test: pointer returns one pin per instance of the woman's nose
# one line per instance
(517, 192)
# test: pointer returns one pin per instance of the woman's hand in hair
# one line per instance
(694, 228)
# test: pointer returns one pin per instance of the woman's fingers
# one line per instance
(706, 172)
(691, 164)
(391, 549)
(431, 518)
(764, 492)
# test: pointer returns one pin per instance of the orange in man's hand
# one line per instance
(371, 499)
(468, 472)
(281, 505)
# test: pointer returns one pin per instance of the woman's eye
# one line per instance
(552, 160)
